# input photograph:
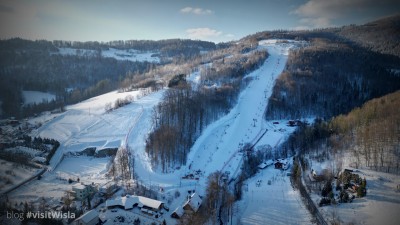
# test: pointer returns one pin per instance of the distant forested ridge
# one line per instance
(337, 71)
(380, 36)
(331, 77)
(37, 66)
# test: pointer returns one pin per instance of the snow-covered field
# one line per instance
(54, 184)
(87, 169)
(118, 54)
(31, 97)
(275, 203)
(381, 205)
(87, 124)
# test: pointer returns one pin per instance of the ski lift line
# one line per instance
(237, 151)
(256, 139)
(125, 144)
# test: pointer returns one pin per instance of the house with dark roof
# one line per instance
(193, 203)
(281, 164)
(178, 212)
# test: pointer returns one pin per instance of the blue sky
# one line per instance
(211, 20)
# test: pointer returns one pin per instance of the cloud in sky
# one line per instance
(196, 11)
(323, 13)
(203, 33)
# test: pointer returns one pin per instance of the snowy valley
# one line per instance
(88, 125)
(257, 131)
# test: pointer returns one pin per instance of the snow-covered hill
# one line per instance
(87, 124)
(118, 54)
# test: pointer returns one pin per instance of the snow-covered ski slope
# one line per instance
(269, 198)
(218, 146)
(88, 125)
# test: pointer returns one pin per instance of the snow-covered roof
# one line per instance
(265, 164)
(283, 161)
(126, 202)
(194, 202)
(150, 202)
(79, 186)
(88, 216)
(129, 201)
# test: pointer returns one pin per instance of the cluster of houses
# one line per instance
(146, 205)
(150, 206)
(192, 205)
